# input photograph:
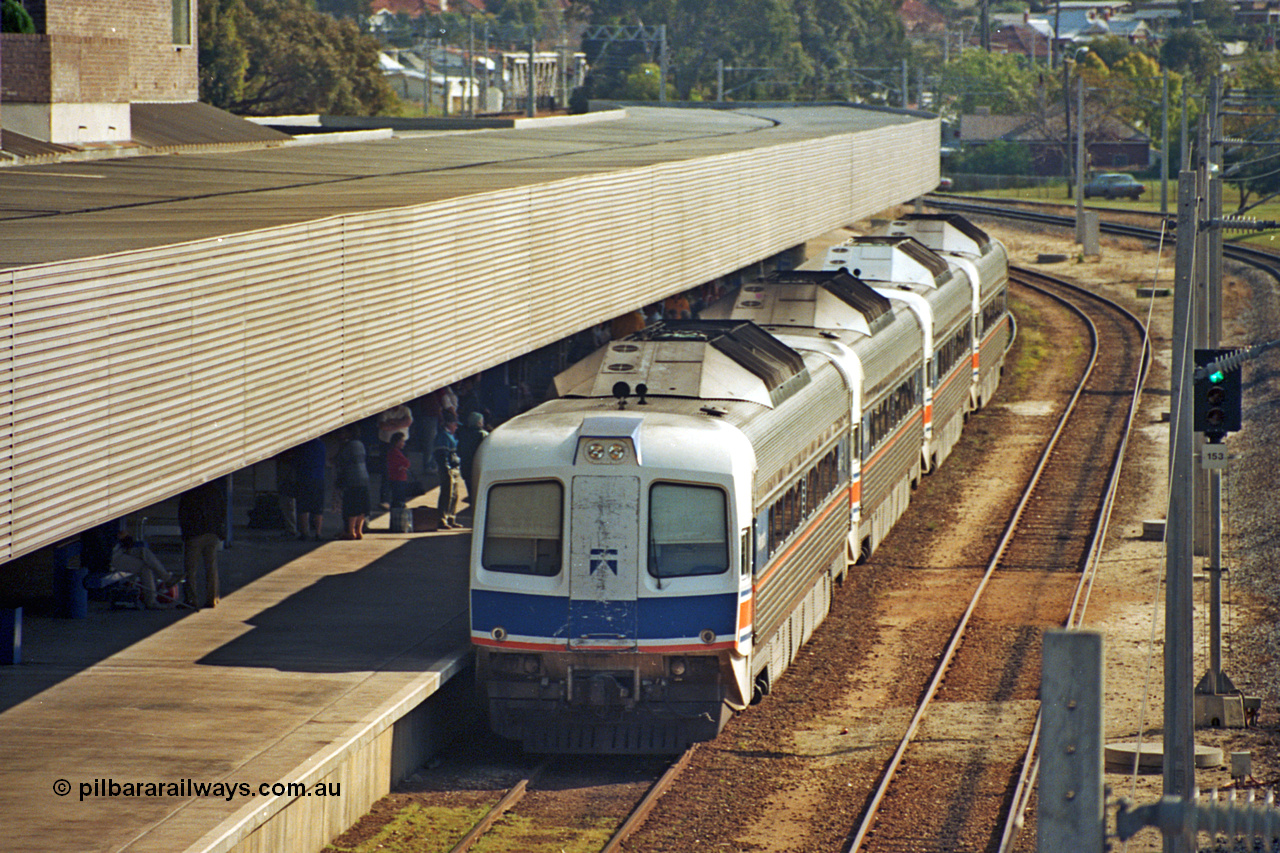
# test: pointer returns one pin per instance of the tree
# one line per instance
(998, 81)
(994, 158)
(838, 36)
(1220, 17)
(14, 18)
(224, 57)
(1192, 51)
(799, 48)
(263, 57)
(1255, 169)
(355, 10)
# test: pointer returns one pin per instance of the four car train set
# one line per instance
(653, 546)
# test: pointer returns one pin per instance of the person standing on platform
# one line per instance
(202, 518)
(469, 437)
(353, 483)
(310, 458)
(393, 420)
(446, 456)
(430, 409)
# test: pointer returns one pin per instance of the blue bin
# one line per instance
(10, 629)
(69, 591)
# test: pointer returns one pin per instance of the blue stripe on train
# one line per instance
(525, 615)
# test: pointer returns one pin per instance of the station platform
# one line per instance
(312, 669)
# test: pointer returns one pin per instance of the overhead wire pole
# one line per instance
(1179, 724)
(1215, 681)
(651, 37)
(1164, 144)
(662, 63)
(1080, 158)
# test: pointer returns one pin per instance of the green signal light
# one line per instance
(1217, 376)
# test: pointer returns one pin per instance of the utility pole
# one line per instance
(1215, 681)
(1081, 159)
(662, 64)
(1164, 144)
(1066, 111)
(533, 92)
(1179, 724)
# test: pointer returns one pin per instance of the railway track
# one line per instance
(967, 790)
(1159, 229)
(563, 803)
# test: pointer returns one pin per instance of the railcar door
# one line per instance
(604, 562)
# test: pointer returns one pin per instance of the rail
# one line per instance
(633, 822)
(1029, 765)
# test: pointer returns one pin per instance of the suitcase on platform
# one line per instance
(425, 519)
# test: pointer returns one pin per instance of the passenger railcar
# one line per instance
(986, 262)
(653, 547)
(941, 296)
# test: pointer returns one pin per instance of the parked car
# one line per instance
(1114, 185)
(945, 184)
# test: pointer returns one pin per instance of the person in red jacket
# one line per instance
(398, 470)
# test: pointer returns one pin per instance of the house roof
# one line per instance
(415, 8)
(919, 16)
(1025, 128)
(976, 127)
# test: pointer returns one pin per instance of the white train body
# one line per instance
(643, 565)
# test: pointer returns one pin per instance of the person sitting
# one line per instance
(133, 558)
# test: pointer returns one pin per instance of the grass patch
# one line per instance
(516, 834)
(1030, 351)
(418, 829)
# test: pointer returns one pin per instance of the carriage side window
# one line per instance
(952, 351)
(688, 531)
(522, 528)
(789, 512)
(891, 411)
(994, 310)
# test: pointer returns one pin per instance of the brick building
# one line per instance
(74, 80)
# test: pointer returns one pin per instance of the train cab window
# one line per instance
(522, 528)
(688, 531)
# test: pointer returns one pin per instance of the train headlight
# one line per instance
(499, 633)
(678, 667)
(607, 451)
(708, 636)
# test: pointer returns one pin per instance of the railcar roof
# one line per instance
(897, 259)
(943, 232)
(704, 360)
(822, 299)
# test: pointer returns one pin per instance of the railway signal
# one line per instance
(1217, 396)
